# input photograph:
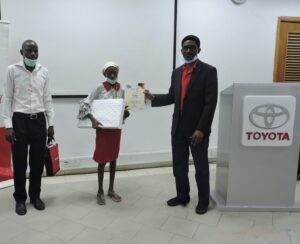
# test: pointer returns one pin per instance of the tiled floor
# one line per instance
(72, 215)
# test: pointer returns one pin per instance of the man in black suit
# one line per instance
(194, 91)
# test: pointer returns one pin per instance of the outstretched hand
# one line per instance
(148, 95)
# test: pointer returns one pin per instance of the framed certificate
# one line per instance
(109, 112)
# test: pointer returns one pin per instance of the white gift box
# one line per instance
(109, 112)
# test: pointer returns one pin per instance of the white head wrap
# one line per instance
(107, 65)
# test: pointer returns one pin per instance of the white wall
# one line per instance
(4, 32)
(145, 136)
(75, 39)
(238, 39)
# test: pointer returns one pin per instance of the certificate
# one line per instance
(135, 97)
(109, 112)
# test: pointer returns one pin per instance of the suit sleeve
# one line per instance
(211, 97)
(164, 99)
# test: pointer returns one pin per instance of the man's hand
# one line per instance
(10, 135)
(148, 95)
(50, 133)
(197, 137)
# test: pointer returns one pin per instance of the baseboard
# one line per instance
(6, 183)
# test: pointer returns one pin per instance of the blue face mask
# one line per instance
(192, 60)
(112, 82)
(30, 62)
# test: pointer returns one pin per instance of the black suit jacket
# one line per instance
(199, 102)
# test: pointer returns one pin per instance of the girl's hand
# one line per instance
(96, 124)
(126, 113)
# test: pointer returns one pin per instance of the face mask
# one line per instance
(192, 60)
(112, 82)
(30, 62)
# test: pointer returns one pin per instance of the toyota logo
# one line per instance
(269, 116)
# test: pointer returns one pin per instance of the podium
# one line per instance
(258, 147)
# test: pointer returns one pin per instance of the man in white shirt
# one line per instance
(27, 110)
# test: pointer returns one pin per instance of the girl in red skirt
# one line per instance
(107, 140)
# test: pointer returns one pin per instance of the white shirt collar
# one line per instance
(21, 64)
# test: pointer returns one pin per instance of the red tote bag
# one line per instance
(6, 172)
(52, 159)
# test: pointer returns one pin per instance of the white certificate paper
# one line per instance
(135, 98)
(109, 112)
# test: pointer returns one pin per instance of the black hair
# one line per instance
(192, 38)
(28, 41)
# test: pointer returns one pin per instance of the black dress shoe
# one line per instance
(37, 203)
(21, 208)
(200, 209)
(178, 201)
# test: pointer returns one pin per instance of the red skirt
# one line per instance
(107, 145)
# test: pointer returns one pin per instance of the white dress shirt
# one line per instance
(26, 92)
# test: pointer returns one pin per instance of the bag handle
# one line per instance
(51, 141)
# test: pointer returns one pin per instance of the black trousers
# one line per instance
(30, 133)
(298, 172)
(181, 147)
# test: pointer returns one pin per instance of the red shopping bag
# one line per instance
(6, 172)
(51, 159)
